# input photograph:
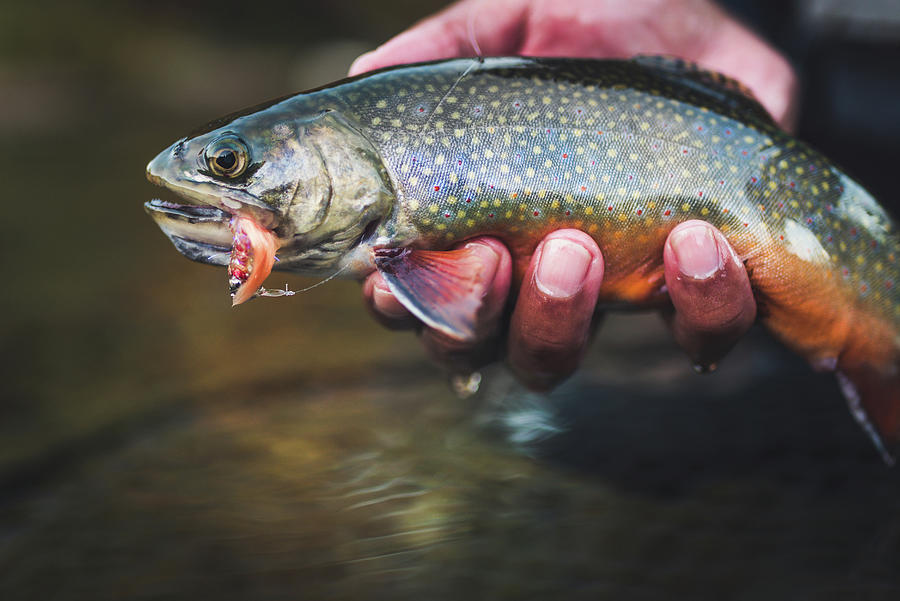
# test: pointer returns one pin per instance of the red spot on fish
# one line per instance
(536, 213)
(727, 132)
(889, 284)
(583, 188)
(459, 162)
(874, 244)
(809, 220)
(684, 151)
(791, 184)
(609, 208)
(548, 131)
(436, 188)
(721, 182)
(565, 155)
(568, 212)
(468, 200)
(421, 109)
(724, 210)
(599, 133)
(752, 179)
(744, 152)
(515, 195)
(667, 213)
(746, 225)
(491, 215)
(640, 211)
(845, 271)
(700, 193)
(447, 215)
(782, 237)
(780, 205)
(852, 231)
(830, 238)
(830, 208)
(864, 288)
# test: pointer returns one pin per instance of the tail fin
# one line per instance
(874, 400)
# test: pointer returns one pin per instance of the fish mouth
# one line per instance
(200, 232)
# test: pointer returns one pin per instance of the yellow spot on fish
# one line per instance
(588, 210)
(611, 153)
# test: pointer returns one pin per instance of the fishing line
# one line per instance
(276, 292)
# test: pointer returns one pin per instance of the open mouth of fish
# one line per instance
(209, 234)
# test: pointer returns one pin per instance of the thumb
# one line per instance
(466, 28)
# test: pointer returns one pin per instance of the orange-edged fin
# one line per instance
(252, 258)
(442, 288)
(874, 400)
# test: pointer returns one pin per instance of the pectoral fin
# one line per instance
(442, 288)
(874, 400)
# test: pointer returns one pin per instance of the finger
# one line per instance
(734, 50)
(550, 325)
(467, 356)
(384, 306)
(710, 291)
(492, 26)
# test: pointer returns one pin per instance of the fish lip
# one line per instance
(202, 252)
(192, 213)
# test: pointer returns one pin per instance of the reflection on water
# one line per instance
(156, 443)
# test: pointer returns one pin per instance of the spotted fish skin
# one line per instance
(626, 150)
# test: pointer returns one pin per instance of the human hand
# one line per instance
(709, 288)
(554, 313)
(695, 30)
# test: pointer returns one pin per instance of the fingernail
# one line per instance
(489, 257)
(697, 252)
(386, 303)
(354, 68)
(562, 268)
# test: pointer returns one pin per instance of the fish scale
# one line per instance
(382, 170)
(547, 151)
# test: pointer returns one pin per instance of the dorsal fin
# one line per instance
(719, 87)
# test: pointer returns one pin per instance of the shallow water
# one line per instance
(155, 443)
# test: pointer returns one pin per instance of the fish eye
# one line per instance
(227, 157)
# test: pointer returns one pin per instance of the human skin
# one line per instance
(712, 304)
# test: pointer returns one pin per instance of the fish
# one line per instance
(386, 170)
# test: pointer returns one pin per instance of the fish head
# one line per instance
(307, 177)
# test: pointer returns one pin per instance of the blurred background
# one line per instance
(155, 443)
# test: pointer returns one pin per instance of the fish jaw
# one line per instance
(199, 232)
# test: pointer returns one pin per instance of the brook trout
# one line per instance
(378, 171)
